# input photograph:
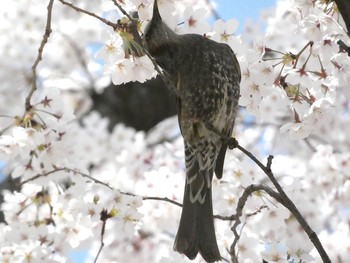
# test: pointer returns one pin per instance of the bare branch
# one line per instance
(165, 199)
(284, 200)
(37, 176)
(226, 218)
(46, 36)
(122, 10)
(213, 10)
(344, 46)
(297, 56)
(269, 162)
(78, 9)
(239, 211)
(80, 56)
(104, 216)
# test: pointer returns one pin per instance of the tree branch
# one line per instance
(104, 216)
(164, 199)
(37, 176)
(80, 56)
(343, 46)
(78, 9)
(239, 211)
(122, 10)
(284, 200)
(213, 10)
(46, 36)
(164, 76)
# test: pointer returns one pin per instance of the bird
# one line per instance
(205, 76)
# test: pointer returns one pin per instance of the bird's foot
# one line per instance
(232, 143)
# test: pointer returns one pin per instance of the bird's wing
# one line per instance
(178, 101)
(236, 65)
(228, 129)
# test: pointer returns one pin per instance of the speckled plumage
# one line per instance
(206, 75)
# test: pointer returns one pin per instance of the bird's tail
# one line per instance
(196, 232)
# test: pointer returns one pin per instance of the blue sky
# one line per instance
(242, 10)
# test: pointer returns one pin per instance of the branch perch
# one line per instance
(282, 198)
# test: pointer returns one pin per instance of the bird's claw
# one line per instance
(232, 143)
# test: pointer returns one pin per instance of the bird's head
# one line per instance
(157, 34)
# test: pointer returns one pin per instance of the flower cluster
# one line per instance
(300, 73)
(80, 186)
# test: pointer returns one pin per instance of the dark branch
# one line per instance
(37, 176)
(213, 10)
(78, 9)
(165, 199)
(46, 36)
(285, 201)
(104, 216)
(122, 10)
(80, 56)
(239, 211)
(344, 46)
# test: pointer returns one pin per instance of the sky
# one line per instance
(242, 10)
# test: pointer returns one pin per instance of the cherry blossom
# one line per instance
(194, 21)
(72, 169)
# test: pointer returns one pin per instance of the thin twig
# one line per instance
(213, 10)
(269, 163)
(344, 46)
(162, 73)
(226, 218)
(309, 144)
(104, 216)
(286, 201)
(46, 36)
(122, 10)
(78, 9)
(166, 79)
(239, 211)
(297, 56)
(80, 56)
(234, 216)
(165, 199)
(37, 176)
